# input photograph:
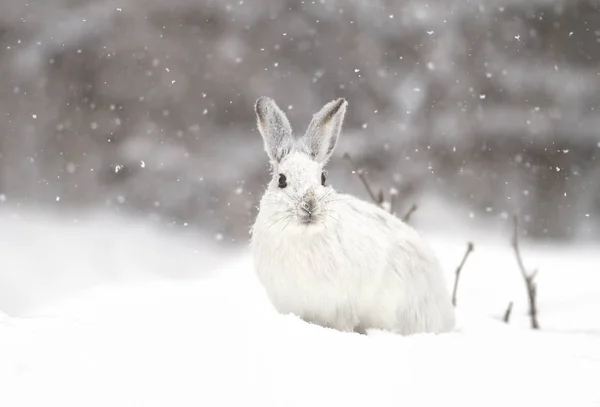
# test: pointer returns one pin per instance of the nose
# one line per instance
(309, 203)
(308, 207)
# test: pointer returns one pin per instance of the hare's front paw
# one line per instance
(342, 320)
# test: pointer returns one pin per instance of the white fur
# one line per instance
(355, 267)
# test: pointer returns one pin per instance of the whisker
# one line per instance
(284, 228)
(334, 200)
(330, 216)
(277, 221)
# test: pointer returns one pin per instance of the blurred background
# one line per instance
(471, 109)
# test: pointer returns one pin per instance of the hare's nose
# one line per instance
(308, 206)
(309, 203)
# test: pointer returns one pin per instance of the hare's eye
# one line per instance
(282, 181)
(323, 178)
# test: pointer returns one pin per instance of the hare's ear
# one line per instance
(324, 129)
(274, 128)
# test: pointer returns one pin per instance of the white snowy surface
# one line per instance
(46, 257)
(111, 327)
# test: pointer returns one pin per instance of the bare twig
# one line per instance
(470, 248)
(393, 195)
(363, 178)
(378, 198)
(528, 278)
(409, 213)
(508, 312)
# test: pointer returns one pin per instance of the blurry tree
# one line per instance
(147, 105)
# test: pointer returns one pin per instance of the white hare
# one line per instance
(332, 259)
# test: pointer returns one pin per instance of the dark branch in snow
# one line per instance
(409, 213)
(378, 199)
(362, 176)
(393, 195)
(508, 312)
(470, 248)
(528, 278)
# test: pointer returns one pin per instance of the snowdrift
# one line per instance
(210, 337)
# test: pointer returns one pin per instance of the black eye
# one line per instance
(323, 178)
(282, 181)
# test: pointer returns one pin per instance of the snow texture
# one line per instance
(214, 339)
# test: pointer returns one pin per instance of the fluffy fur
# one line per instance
(344, 263)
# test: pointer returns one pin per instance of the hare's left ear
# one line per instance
(274, 128)
(324, 129)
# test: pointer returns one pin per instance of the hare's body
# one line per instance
(337, 261)
(352, 273)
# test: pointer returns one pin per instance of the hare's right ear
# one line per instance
(324, 130)
(274, 128)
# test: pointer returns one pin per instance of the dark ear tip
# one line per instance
(339, 104)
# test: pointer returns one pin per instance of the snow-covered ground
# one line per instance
(47, 257)
(115, 312)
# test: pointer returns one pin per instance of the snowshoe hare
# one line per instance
(332, 259)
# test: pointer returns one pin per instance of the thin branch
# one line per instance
(409, 213)
(470, 248)
(515, 245)
(393, 195)
(528, 278)
(508, 312)
(363, 178)
(379, 198)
